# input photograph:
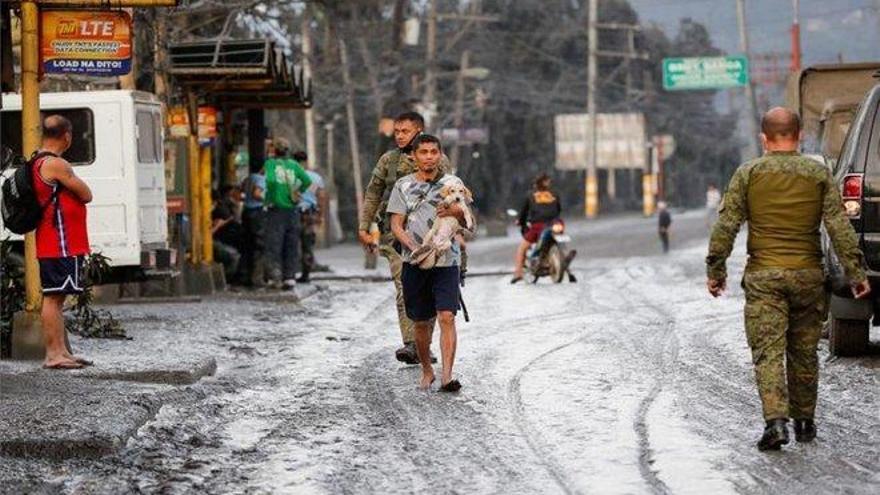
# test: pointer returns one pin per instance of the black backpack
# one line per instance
(20, 208)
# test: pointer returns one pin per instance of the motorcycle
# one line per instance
(551, 256)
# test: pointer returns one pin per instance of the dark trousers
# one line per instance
(227, 256)
(664, 240)
(282, 243)
(251, 268)
(308, 238)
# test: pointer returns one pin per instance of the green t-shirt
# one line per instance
(284, 177)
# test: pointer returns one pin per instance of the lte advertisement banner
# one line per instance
(93, 43)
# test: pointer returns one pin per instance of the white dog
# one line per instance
(439, 238)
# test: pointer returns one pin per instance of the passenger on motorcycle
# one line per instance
(540, 208)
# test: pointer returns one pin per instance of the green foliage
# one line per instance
(88, 321)
(12, 292)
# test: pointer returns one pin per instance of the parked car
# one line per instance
(857, 173)
(118, 151)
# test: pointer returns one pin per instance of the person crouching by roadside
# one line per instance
(62, 237)
(226, 231)
(433, 292)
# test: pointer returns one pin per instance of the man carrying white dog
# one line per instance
(416, 205)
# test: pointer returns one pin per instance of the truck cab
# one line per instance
(118, 151)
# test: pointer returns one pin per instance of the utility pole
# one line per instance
(752, 128)
(309, 114)
(459, 107)
(353, 144)
(796, 37)
(591, 203)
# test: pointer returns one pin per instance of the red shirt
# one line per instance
(62, 230)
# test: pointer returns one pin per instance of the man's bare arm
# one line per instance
(400, 232)
(57, 169)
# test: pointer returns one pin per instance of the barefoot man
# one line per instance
(434, 292)
(62, 239)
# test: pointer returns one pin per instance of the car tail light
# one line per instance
(852, 194)
(852, 186)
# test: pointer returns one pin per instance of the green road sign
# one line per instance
(705, 72)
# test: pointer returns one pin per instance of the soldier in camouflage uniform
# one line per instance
(394, 165)
(784, 197)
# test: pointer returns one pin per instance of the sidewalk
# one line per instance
(93, 411)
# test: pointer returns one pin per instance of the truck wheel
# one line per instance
(848, 337)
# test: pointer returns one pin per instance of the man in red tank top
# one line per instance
(62, 239)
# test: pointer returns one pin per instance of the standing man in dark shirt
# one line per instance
(541, 207)
(664, 221)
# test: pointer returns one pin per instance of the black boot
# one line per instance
(775, 435)
(804, 430)
(409, 355)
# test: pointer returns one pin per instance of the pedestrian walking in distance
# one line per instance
(62, 237)
(392, 166)
(784, 197)
(415, 205)
(664, 221)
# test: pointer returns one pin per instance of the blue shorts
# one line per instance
(61, 275)
(425, 292)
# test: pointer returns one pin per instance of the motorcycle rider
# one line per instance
(541, 207)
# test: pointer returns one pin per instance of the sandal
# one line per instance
(451, 386)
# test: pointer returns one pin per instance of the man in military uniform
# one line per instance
(784, 197)
(394, 165)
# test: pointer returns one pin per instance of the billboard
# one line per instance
(94, 43)
(620, 138)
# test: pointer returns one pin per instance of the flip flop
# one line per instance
(66, 365)
(452, 386)
(83, 361)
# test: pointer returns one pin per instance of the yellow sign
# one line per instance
(95, 43)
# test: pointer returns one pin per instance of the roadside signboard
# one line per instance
(705, 72)
(178, 122)
(87, 42)
(620, 138)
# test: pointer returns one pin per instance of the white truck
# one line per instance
(118, 151)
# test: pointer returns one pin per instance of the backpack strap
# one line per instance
(39, 155)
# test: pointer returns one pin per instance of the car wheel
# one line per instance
(848, 337)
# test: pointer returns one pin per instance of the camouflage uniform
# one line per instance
(784, 197)
(391, 166)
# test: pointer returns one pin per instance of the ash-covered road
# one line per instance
(631, 381)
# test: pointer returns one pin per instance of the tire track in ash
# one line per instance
(666, 359)
(398, 422)
(542, 452)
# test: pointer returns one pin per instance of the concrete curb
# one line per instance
(69, 417)
(199, 370)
